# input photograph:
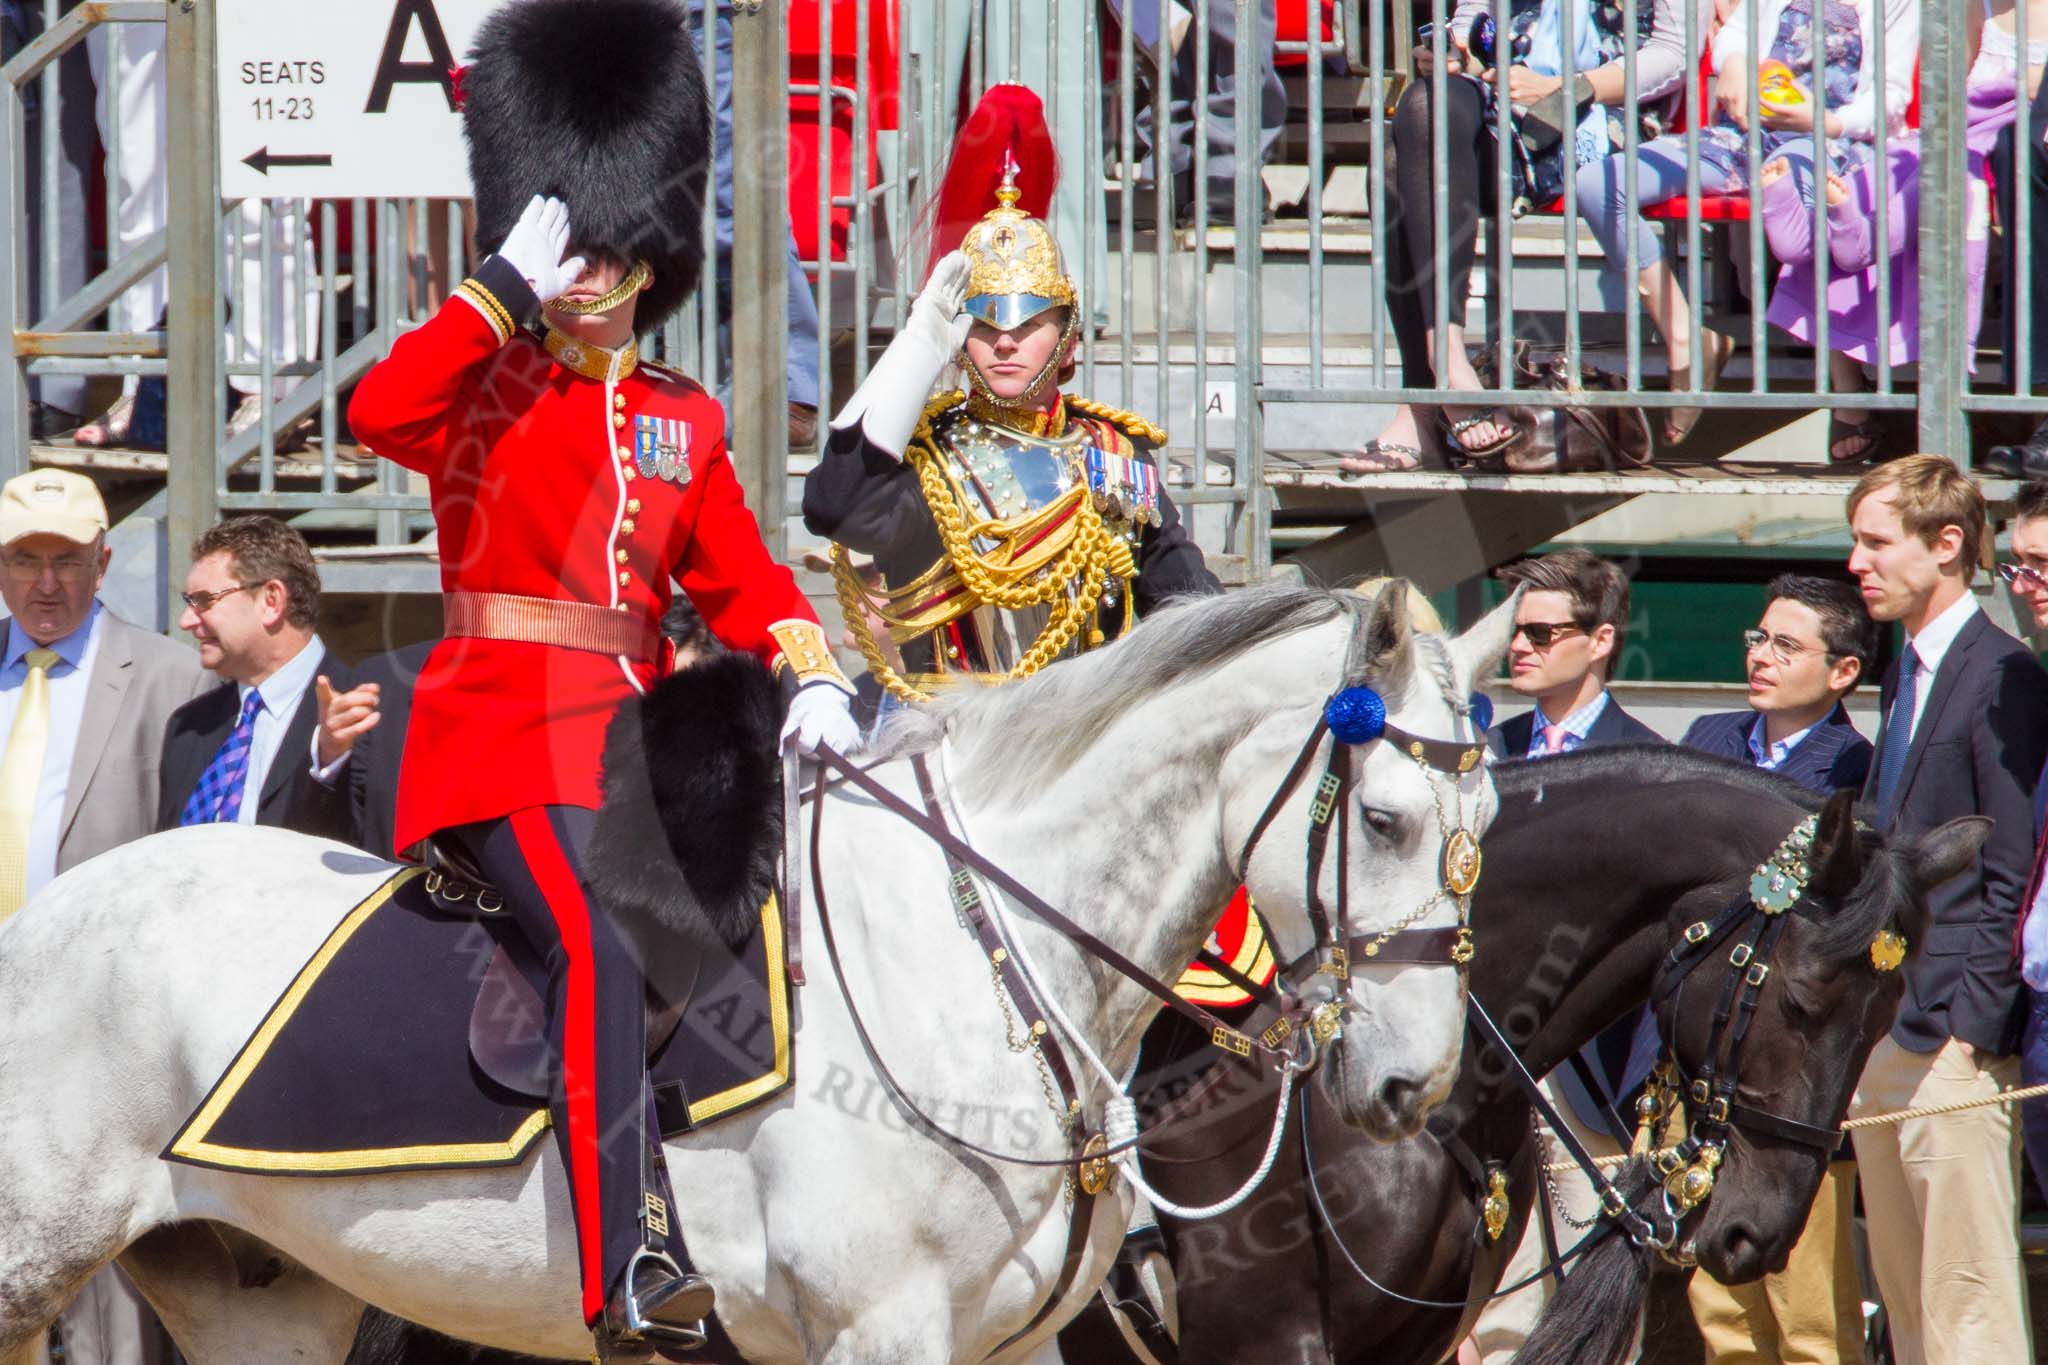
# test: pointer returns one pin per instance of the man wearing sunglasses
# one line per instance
(243, 753)
(1568, 634)
(1814, 643)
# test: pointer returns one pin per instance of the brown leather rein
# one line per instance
(1300, 1021)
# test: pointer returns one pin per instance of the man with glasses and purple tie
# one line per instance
(1814, 643)
(244, 753)
(1965, 731)
(2026, 573)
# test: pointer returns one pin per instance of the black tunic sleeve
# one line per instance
(1170, 564)
(865, 498)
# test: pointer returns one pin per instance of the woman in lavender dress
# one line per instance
(1856, 94)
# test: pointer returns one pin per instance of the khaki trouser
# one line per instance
(1505, 1323)
(1809, 1313)
(109, 1323)
(1941, 1207)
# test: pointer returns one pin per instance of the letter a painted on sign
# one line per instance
(392, 69)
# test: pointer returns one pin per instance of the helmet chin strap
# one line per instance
(1047, 376)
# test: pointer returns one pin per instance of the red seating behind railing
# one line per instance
(808, 66)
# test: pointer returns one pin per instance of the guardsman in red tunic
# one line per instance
(570, 483)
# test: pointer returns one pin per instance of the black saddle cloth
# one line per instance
(365, 1063)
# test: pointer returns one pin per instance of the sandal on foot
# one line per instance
(1456, 427)
(1679, 422)
(1381, 457)
(1862, 435)
(108, 429)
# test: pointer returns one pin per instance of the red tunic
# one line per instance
(530, 468)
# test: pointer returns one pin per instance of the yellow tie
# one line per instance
(21, 772)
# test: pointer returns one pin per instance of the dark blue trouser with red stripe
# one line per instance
(535, 857)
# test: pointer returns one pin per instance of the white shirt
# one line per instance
(70, 680)
(283, 692)
(1932, 645)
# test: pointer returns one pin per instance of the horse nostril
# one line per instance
(1399, 1095)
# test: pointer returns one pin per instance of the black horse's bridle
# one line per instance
(1757, 917)
(1755, 921)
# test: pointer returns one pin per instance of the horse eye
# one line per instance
(1384, 823)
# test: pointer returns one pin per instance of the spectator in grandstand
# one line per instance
(1842, 92)
(2030, 458)
(1543, 98)
(55, 220)
(802, 362)
(1855, 254)
(1218, 101)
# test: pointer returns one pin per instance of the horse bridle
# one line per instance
(1686, 1171)
(1351, 718)
(1756, 919)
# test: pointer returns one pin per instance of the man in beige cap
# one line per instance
(84, 698)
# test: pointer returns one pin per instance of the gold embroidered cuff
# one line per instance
(486, 303)
(805, 652)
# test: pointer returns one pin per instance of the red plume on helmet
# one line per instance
(1007, 126)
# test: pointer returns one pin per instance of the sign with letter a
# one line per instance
(328, 100)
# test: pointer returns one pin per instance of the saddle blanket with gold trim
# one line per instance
(363, 1065)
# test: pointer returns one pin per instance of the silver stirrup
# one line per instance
(683, 1338)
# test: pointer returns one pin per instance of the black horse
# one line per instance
(1595, 866)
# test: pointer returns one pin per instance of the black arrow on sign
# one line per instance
(261, 160)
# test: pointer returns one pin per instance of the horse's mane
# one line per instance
(1640, 763)
(1886, 882)
(1042, 724)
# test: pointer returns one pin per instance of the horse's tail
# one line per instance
(1593, 1319)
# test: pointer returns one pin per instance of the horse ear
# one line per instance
(1478, 651)
(1834, 858)
(1388, 634)
(1947, 851)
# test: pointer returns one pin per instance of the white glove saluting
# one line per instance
(535, 245)
(821, 712)
(891, 399)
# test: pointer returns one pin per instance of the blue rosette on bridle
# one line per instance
(1355, 715)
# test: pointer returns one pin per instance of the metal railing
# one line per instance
(1161, 296)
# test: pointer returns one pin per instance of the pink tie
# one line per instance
(1553, 739)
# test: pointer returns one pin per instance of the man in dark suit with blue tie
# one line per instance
(1965, 732)
(1814, 643)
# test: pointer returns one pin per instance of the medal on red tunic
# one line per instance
(661, 449)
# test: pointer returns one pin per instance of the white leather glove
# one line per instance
(822, 712)
(888, 404)
(535, 245)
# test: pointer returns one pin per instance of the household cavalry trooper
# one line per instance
(570, 482)
(1012, 525)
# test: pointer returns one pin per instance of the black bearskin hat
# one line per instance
(600, 103)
